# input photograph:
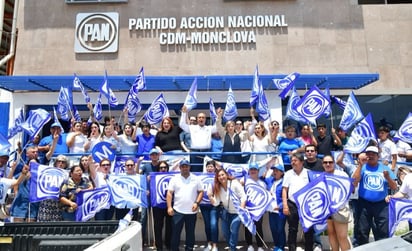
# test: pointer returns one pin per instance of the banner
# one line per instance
(128, 191)
(159, 182)
(45, 182)
(258, 200)
(399, 210)
(90, 202)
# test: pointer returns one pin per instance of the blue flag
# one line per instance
(259, 199)
(262, 107)
(405, 131)
(65, 103)
(159, 182)
(76, 114)
(399, 210)
(312, 105)
(35, 122)
(97, 109)
(236, 170)
(313, 203)
(128, 191)
(361, 135)
(157, 111)
(244, 215)
(4, 143)
(132, 104)
(140, 82)
(341, 103)
(254, 96)
(56, 119)
(352, 113)
(212, 109)
(286, 84)
(78, 84)
(107, 92)
(16, 128)
(191, 98)
(45, 182)
(90, 202)
(290, 112)
(340, 189)
(328, 110)
(230, 112)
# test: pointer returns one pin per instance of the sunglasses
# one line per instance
(105, 164)
(163, 167)
(327, 162)
(130, 165)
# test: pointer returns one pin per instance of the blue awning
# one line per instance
(182, 83)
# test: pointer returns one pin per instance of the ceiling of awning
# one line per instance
(182, 83)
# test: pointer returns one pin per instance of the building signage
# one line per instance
(208, 30)
(97, 33)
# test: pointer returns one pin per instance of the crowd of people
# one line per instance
(380, 173)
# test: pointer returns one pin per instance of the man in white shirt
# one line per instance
(186, 192)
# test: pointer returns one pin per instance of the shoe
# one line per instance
(260, 249)
(208, 247)
(250, 248)
(317, 248)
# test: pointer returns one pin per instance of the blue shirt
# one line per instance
(146, 143)
(286, 145)
(373, 186)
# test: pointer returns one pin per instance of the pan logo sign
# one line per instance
(97, 32)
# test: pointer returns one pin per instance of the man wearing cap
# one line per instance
(389, 151)
(56, 139)
(373, 178)
(186, 192)
(4, 157)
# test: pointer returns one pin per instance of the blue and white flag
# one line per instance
(76, 114)
(313, 203)
(16, 128)
(132, 104)
(212, 109)
(157, 111)
(78, 84)
(328, 110)
(254, 96)
(236, 170)
(340, 189)
(56, 119)
(405, 131)
(35, 121)
(159, 182)
(285, 84)
(262, 107)
(352, 113)
(191, 98)
(207, 180)
(341, 103)
(4, 143)
(361, 136)
(244, 215)
(290, 112)
(45, 181)
(128, 191)
(97, 109)
(258, 200)
(399, 210)
(64, 103)
(312, 105)
(90, 202)
(140, 81)
(230, 112)
(107, 92)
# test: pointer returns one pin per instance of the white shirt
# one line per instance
(201, 135)
(78, 145)
(406, 187)
(223, 197)
(4, 187)
(126, 144)
(388, 148)
(185, 192)
(295, 182)
(402, 147)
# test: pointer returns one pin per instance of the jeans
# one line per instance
(230, 227)
(160, 219)
(293, 221)
(210, 217)
(372, 213)
(277, 227)
(178, 220)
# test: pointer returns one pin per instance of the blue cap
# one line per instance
(279, 167)
(4, 153)
(154, 151)
(184, 162)
(56, 124)
(253, 165)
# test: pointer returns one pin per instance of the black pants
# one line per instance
(293, 221)
(160, 219)
(258, 236)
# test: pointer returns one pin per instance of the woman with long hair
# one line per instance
(220, 195)
(93, 138)
(127, 142)
(76, 140)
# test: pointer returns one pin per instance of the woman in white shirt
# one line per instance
(76, 140)
(127, 142)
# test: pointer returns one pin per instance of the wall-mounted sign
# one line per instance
(97, 33)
